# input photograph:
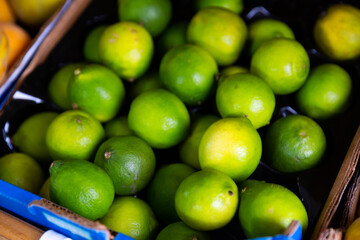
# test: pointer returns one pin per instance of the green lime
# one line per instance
(74, 134)
(231, 70)
(294, 143)
(132, 217)
(91, 45)
(117, 127)
(96, 90)
(45, 189)
(232, 146)
(147, 82)
(59, 84)
(246, 95)
(153, 14)
(129, 161)
(326, 92)
(160, 118)
(162, 189)
(190, 147)
(81, 187)
(283, 63)
(22, 171)
(189, 72)
(206, 200)
(266, 29)
(173, 36)
(180, 231)
(29, 138)
(234, 5)
(127, 48)
(219, 31)
(267, 209)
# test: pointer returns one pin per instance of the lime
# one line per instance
(127, 48)
(22, 171)
(96, 90)
(234, 5)
(162, 189)
(206, 200)
(45, 189)
(283, 63)
(267, 209)
(231, 70)
(117, 127)
(246, 95)
(294, 143)
(147, 82)
(132, 217)
(219, 31)
(180, 231)
(353, 232)
(189, 149)
(326, 92)
(74, 134)
(232, 146)
(266, 29)
(189, 72)
(160, 118)
(153, 14)
(91, 45)
(82, 187)
(29, 138)
(129, 161)
(173, 36)
(337, 32)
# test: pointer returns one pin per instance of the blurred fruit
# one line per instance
(206, 200)
(267, 209)
(6, 13)
(29, 138)
(160, 118)
(96, 90)
(35, 12)
(153, 14)
(4, 54)
(189, 72)
(189, 149)
(326, 92)
(231, 70)
(337, 32)
(180, 231)
(173, 36)
(294, 143)
(74, 134)
(45, 189)
(146, 83)
(234, 5)
(220, 32)
(22, 171)
(18, 40)
(353, 232)
(246, 95)
(132, 217)
(91, 45)
(162, 189)
(283, 63)
(127, 48)
(129, 161)
(81, 187)
(117, 127)
(266, 29)
(232, 146)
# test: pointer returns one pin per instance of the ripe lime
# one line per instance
(91, 45)
(117, 127)
(189, 72)
(231, 70)
(148, 82)
(45, 189)
(206, 200)
(234, 5)
(294, 143)
(353, 232)
(180, 231)
(173, 36)
(160, 118)
(232, 146)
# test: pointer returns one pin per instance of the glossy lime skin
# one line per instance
(96, 90)
(127, 48)
(162, 189)
(325, 93)
(82, 187)
(266, 29)
(129, 161)
(231, 70)
(220, 32)
(233, 5)
(160, 118)
(232, 146)
(206, 200)
(283, 63)
(149, 81)
(294, 143)
(91, 45)
(173, 36)
(180, 231)
(153, 14)
(246, 95)
(117, 127)
(189, 72)
(267, 209)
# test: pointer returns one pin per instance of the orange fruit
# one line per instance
(4, 53)
(353, 232)
(6, 13)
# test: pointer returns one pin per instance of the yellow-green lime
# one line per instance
(173, 36)
(45, 189)
(180, 231)
(91, 45)
(149, 81)
(231, 70)
(117, 127)
(234, 5)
